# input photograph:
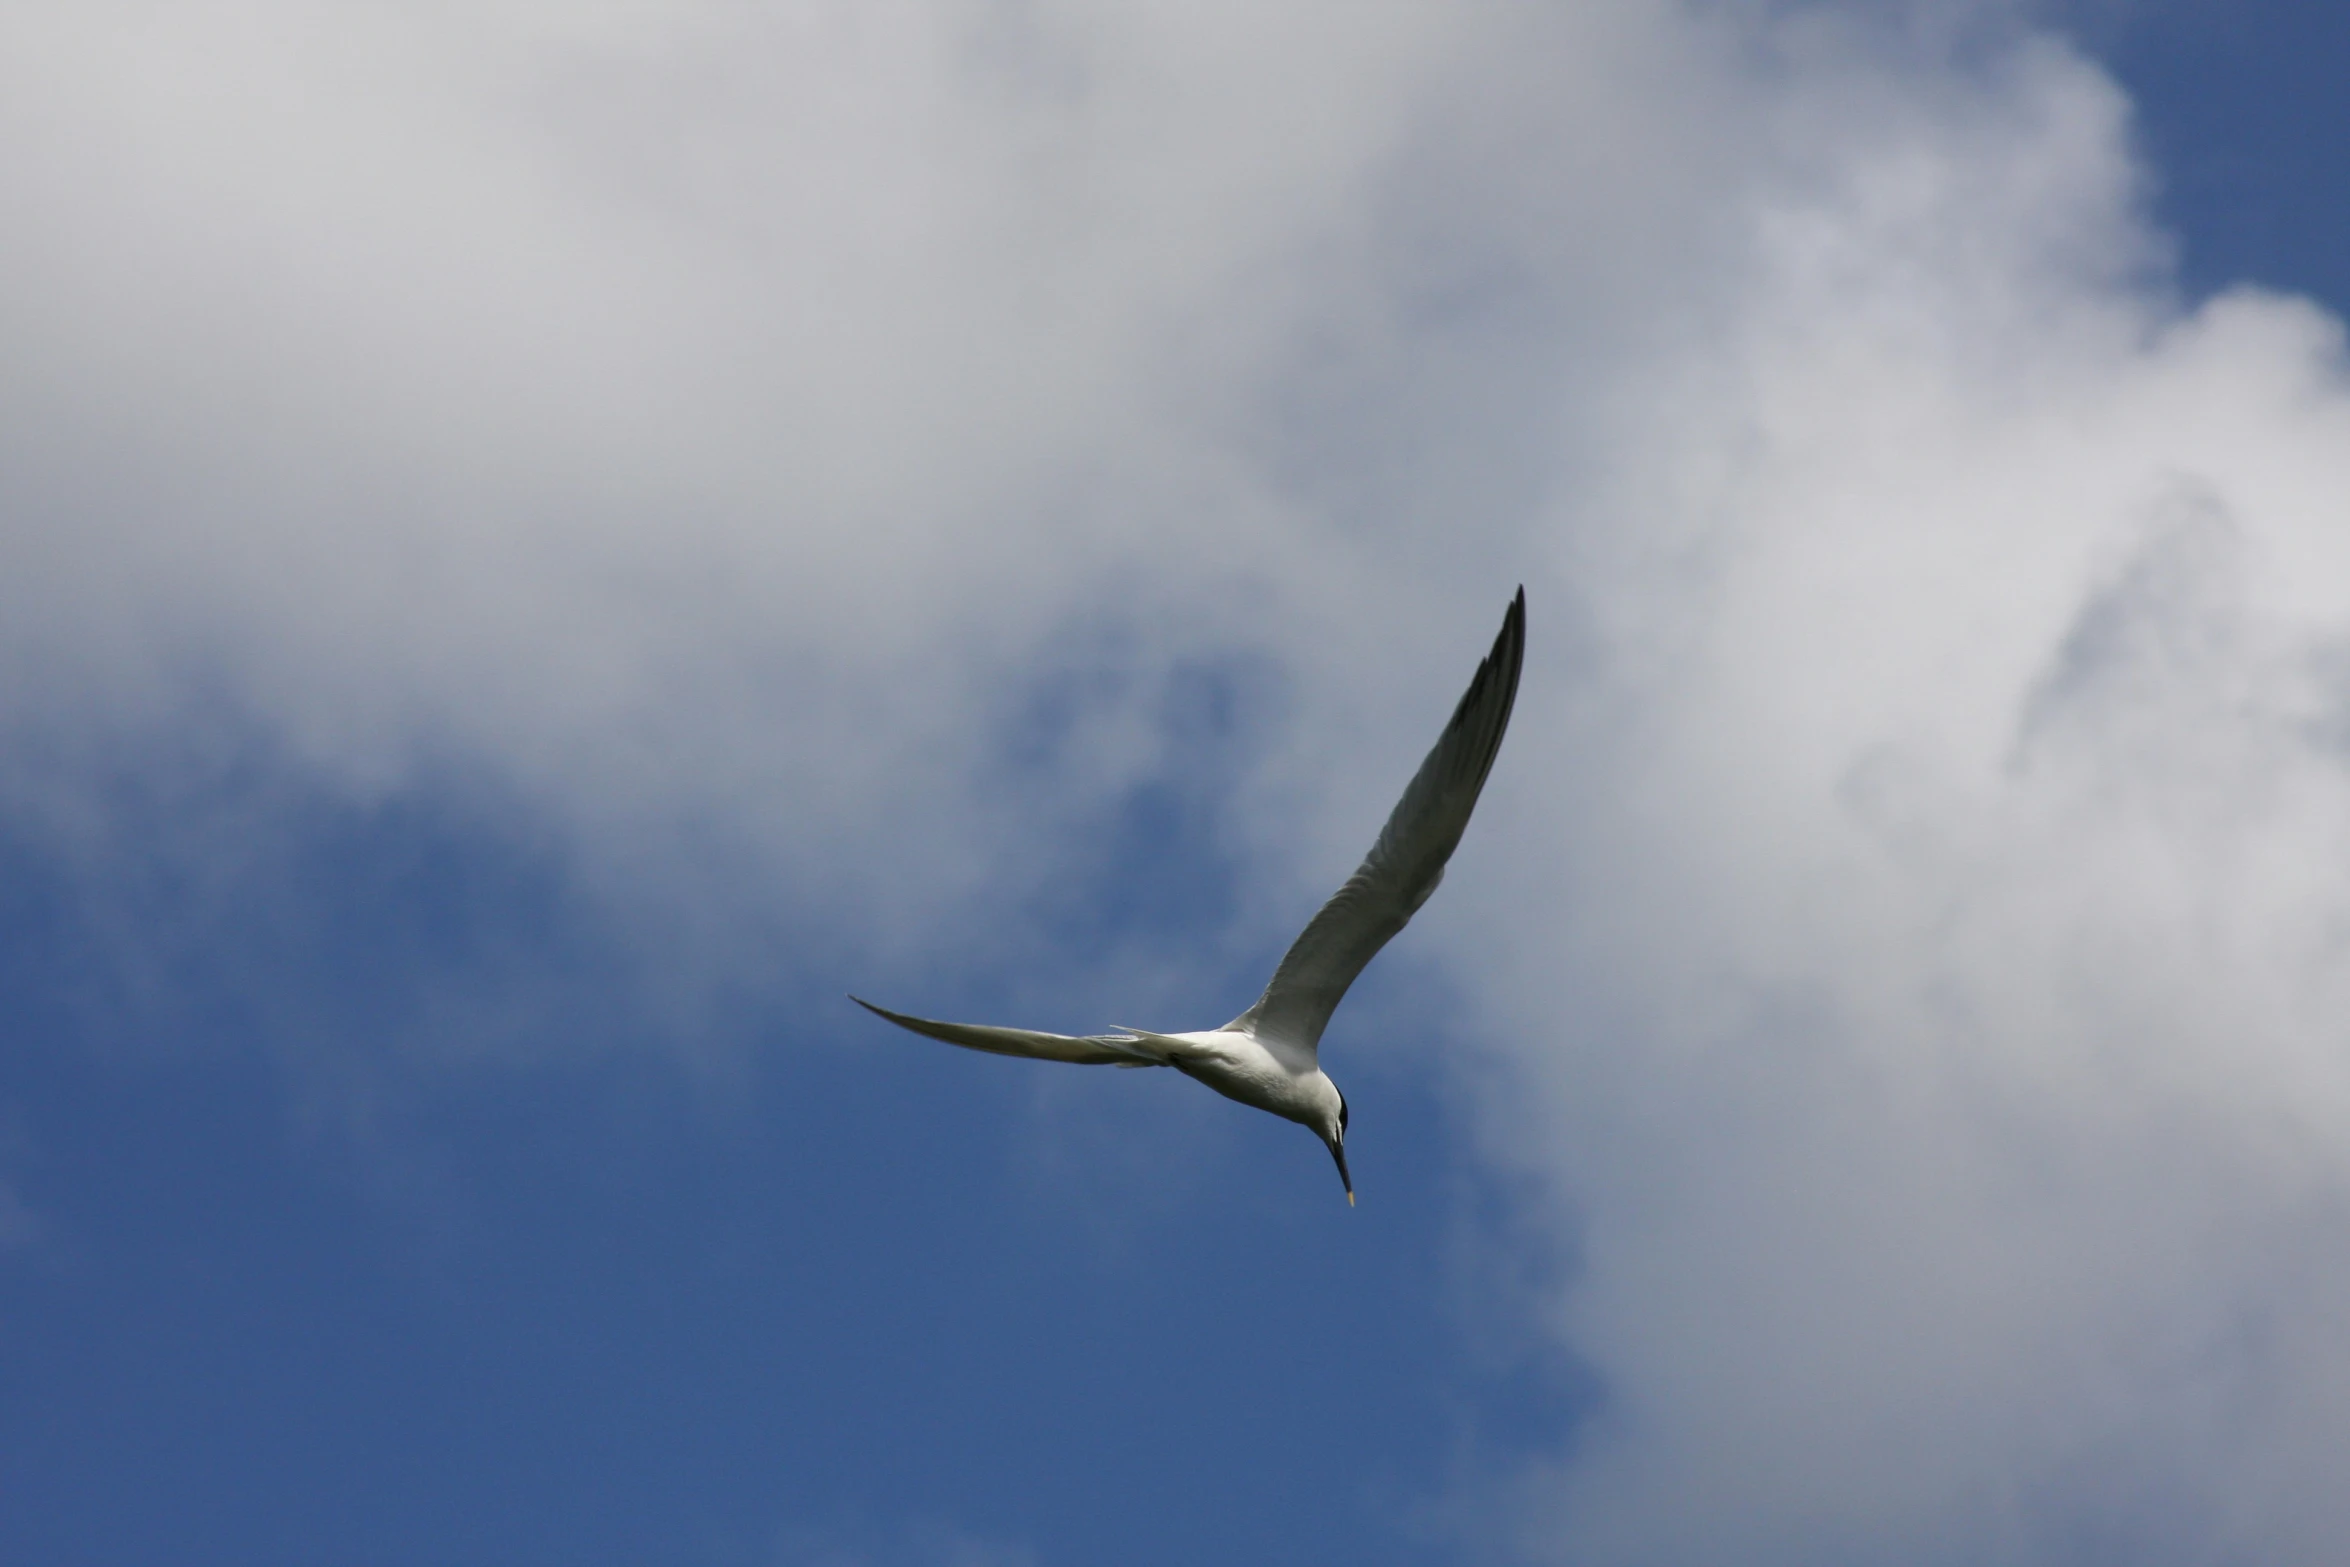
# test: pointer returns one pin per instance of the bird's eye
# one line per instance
(1342, 1112)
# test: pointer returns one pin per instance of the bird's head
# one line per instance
(1333, 1130)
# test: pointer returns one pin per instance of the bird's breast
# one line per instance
(1247, 1071)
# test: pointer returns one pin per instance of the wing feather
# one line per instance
(1406, 863)
(1085, 1050)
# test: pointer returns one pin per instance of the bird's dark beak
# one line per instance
(1338, 1152)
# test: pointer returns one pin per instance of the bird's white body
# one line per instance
(1235, 1063)
(1269, 1056)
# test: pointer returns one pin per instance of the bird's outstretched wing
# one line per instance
(1406, 863)
(1085, 1050)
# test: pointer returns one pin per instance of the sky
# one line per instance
(542, 546)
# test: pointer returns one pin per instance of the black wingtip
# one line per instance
(1509, 648)
(1502, 665)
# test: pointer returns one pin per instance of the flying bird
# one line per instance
(1269, 1056)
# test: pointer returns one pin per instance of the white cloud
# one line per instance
(1939, 970)
(1917, 955)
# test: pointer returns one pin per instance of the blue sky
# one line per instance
(2231, 115)
(548, 549)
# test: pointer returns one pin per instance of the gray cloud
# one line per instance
(1915, 970)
